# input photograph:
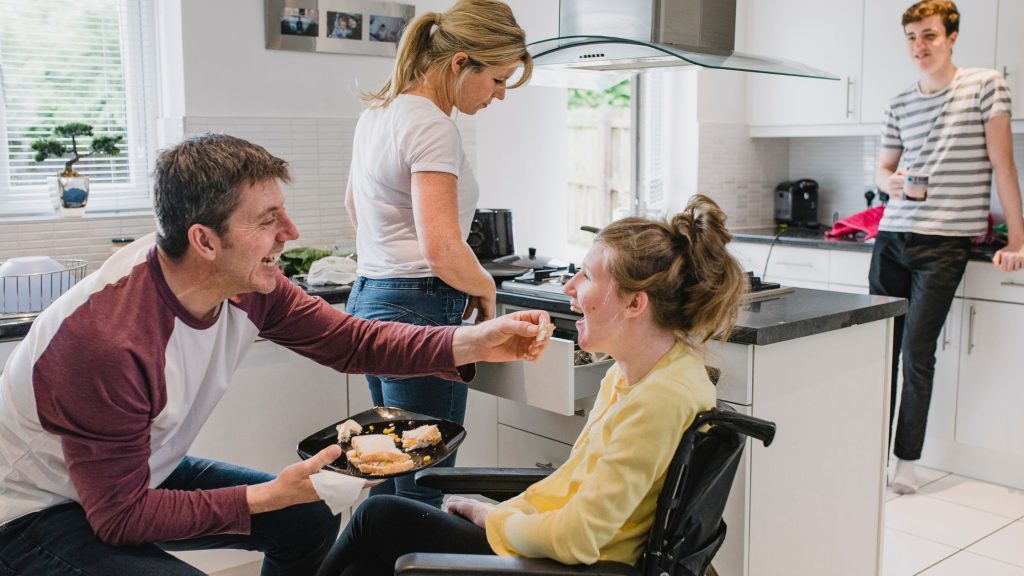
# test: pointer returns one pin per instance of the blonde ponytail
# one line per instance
(485, 30)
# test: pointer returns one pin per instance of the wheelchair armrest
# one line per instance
(491, 482)
(734, 421)
(420, 564)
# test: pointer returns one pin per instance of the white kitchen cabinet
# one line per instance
(787, 265)
(819, 268)
(848, 271)
(553, 382)
(863, 42)
(942, 411)
(798, 267)
(825, 35)
(888, 69)
(751, 256)
(982, 384)
(1010, 50)
(828, 395)
(521, 449)
(991, 394)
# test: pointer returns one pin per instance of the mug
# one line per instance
(915, 187)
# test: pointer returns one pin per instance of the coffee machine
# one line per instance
(490, 234)
(796, 203)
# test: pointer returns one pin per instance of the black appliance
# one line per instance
(490, 234)
(796, 203)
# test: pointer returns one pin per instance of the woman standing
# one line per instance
(411, 193)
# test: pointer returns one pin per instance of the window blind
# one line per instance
(84, 61)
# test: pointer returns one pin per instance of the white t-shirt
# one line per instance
(410, 135)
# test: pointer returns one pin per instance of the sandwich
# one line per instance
(377, 454)
(422, 437)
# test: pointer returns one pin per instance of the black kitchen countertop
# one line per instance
(815, 238)
(14, 327)
(804, 312)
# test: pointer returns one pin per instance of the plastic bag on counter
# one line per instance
(332, 270)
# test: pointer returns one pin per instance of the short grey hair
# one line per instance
(199, 182)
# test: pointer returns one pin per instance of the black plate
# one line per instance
(452, 435)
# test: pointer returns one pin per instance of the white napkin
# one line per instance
(332, 270)
(337, 490)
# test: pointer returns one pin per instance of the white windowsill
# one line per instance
(58, 217)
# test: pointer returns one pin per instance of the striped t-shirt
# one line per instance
(943, 135)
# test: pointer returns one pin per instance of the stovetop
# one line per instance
(545, 282)
(550, 283)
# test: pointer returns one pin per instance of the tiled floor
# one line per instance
(954, 526)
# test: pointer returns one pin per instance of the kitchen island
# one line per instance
(814, 362)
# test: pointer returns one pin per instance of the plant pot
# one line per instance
(71, 195)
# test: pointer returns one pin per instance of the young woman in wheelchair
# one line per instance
(650, 294)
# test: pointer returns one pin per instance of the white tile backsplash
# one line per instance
(740, 172)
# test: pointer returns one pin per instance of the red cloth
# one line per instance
(866, 221)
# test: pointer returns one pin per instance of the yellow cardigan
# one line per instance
(600, 504)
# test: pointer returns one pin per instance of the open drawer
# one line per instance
(551, 383)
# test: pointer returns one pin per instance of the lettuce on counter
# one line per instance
(298, 260)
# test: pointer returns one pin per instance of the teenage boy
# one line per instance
(944, 137)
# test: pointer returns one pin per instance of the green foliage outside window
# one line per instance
(618, 96)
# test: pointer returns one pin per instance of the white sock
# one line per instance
(904, 480)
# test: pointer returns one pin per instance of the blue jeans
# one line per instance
(423, 302)
(59, 541)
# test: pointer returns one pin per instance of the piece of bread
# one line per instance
(348, 429)
(386, 467)
(377, 454)
(422, 437)
(545, 331)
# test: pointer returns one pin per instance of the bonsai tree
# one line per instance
(53, 147)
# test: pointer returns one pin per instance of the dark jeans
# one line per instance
(386, 527)
(59, 541)
(423, 302)
(925, 270)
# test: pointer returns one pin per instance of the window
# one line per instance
(602, 168)
(89, 61)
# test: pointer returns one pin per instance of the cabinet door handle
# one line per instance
(849, 100)
(544, 465)
(797, 264)
(1006, 72)
(970, 330)
(1012, 283)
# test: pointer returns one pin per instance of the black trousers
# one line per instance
(386, 527)
(925, 270)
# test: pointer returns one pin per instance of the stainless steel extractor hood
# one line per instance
(637, 34)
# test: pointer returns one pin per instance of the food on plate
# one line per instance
(347, 430)
(422, 437)
(545, 331)
(377, 454)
